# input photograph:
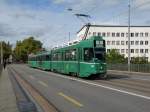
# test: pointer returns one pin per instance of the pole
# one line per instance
(69, 36)
(129, 17)
(1, 52)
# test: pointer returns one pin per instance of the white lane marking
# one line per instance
(43, 83)
(32, 77)
(99, 85)
(141, 79)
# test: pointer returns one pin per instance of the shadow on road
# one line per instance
(109, 77)
(113, 77)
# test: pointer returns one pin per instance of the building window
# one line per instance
(108, 42)
(113, 34)
(141, 42)
(99, 33)
(122, 50)
(122, 42)
(89, 33)
(146, 34)
(132, 50)
(108, 34)
(103, 34)
(94, 33)
(122, 34)
(132, 42)
(117, 34)
(108, 50)
(136, 34)
(146, 42)
(132, 34)
(117, 42)
(113, 42)
(141, 50)
(136, 50)
(126, 50)
(126, 42)
(136, 42)
(141, 34)
(146, 50)
(126, 34)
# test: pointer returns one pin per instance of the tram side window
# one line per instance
(59, 57)
(55, 57)
(33, 58)
(43, 58)
(73, 55)
(40, 58)
(88, 54)
(47, 57)
(37, 58)
(67, 55)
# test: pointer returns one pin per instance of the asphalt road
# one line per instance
(70, 94)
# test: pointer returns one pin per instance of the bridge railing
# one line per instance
(133, 67)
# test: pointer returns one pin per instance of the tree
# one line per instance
(26, 47)
(139, 60)
(114, 57)
(7, 50)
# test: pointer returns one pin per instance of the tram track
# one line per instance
(145, 84)
(24, 103)
(129, 84)
(83, 95)
(44, 103)
(124, 82)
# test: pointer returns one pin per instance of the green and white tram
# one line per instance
(83, 59)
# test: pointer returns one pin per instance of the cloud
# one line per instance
(6, 30)
(17, 23)
(51, 23)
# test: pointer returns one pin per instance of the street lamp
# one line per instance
(78, 15)
(129, 18)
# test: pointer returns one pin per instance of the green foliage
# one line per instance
(114, 57)
(139, 60)
(26, 47)
(7, 50)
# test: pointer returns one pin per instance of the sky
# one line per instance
(50, 22)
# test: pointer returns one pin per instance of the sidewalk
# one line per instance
(7, 95)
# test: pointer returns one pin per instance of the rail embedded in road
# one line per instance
(40, 99)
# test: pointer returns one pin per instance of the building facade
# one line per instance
(116, 37)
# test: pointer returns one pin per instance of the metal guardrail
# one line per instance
(145, 68)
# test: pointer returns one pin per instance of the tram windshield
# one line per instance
(96, 53)
(99, 53)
